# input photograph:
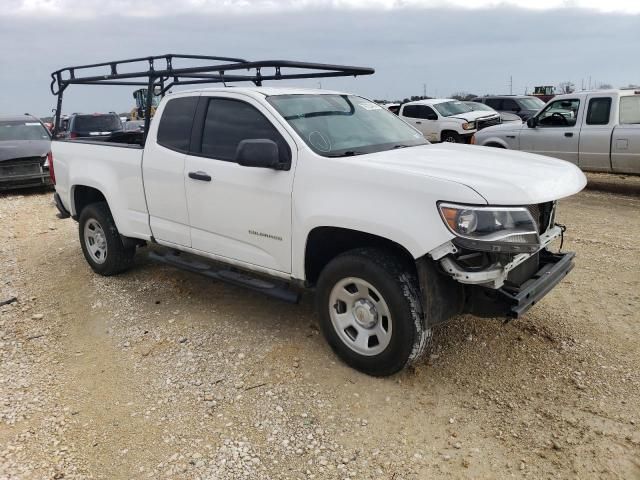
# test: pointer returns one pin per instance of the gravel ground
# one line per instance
(159, 373)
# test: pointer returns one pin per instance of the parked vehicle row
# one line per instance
(597, 130)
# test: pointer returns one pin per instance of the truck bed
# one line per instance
(114, 169)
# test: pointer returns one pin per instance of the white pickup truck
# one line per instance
(283, 189)
(446, 119)
(597, 130)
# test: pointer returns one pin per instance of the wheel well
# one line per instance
(83, 196)
(443, 132)
(326, 243)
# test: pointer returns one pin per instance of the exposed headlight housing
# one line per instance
(492, 229)
(469, 125)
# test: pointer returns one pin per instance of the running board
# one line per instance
(273, 289)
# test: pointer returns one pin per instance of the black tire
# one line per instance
(450, 137)
(118, 258)
(396, 282)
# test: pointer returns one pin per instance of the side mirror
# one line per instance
(532, 122)
(259, 153)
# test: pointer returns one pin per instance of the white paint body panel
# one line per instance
(391, 194)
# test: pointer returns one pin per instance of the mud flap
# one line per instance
(442, 297)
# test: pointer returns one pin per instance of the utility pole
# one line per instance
(511, 85)
(424, 90)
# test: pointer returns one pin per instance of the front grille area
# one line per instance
(487, 122)
(542, 213)
(21, 167)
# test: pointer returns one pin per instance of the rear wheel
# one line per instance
(450, 137)
(101, 243)
(370, 311)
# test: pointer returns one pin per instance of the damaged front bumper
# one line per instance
(493, 276)
(508, 288)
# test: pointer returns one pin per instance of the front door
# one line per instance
(237, 212)
(557, 133)
(423, 118)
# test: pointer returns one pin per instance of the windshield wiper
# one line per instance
(349, 153)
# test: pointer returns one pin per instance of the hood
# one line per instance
(504, 127)
(501, 177)
(510, 117)
(474, 115)
(14, 149)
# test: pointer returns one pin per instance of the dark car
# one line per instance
(25, 152)
(524, 106)
(95, 126)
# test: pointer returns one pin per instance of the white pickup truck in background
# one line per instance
(597, 130)
(283, 189)
(446, 120)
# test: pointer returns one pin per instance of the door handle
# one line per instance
(568, 134)
(199, 175)
(418, 123)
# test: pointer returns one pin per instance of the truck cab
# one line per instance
(446, 120)
(597, 130)
(284, 189)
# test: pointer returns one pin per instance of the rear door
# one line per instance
(163, 167)
(236, 212)
(595, 135)
(625, 142)
(557, 133)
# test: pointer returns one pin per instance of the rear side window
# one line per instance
(630, 110)
(494, 103)
(599, 111)
(174, 131)
(419, 111)
(228, 122)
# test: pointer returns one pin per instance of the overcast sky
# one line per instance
(445, 45)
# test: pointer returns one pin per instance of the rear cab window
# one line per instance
(630, 110)
(174, 130)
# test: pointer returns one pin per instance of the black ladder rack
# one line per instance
(160, 74)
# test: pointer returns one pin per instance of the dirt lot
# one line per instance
(160, 373)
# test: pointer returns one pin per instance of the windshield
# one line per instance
(97, 123)
(531, 103)
(454, 107)
(21, 130)
(477, 106)
(342, 125)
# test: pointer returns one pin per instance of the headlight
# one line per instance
(494, 229)
(469, 126)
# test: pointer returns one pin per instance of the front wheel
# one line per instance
(370, 311)
(101, 243)
(450, 137)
